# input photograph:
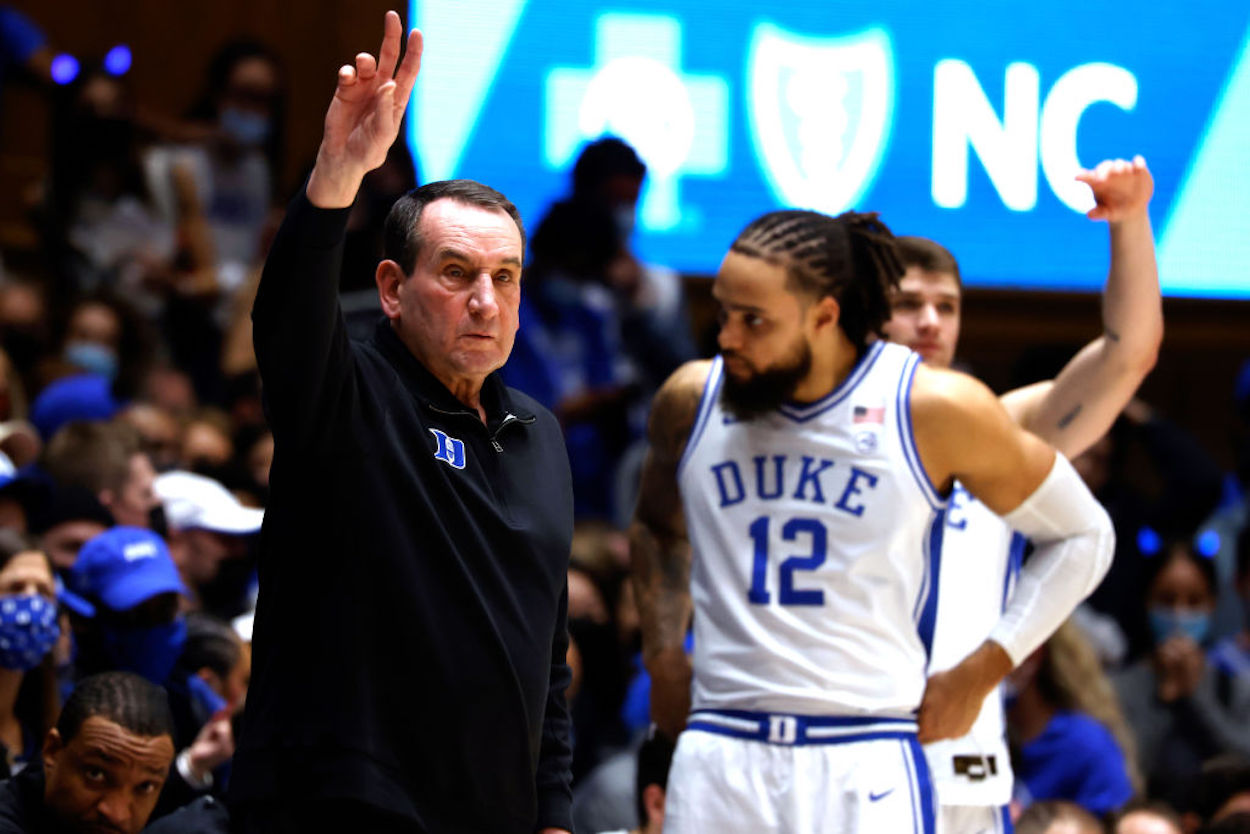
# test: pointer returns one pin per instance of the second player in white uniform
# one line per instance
(981, 556)
(791, 500)
(979, 562)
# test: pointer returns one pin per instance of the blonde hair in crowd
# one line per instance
(1071, 677)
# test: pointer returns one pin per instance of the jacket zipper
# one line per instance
(508, 419)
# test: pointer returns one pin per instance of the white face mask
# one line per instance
(1169, 622)
(92, 357)
(625, 217)
(246, 128)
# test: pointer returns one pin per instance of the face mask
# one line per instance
(93, 358)
(148, 652)
(625, 217)
(1166, 622)
(245, 128)
(562, 289)
(28, 630)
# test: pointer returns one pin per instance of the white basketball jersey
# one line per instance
(813, 528)
(979, 561)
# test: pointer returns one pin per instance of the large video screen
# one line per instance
(960, 121)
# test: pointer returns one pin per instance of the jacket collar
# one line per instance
(427, 388)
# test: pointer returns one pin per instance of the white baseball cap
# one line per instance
(195, 502)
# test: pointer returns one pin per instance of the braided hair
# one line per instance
(851, 257)
(127, 700)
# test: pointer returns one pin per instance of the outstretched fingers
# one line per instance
(386, 116)
(388, 53)
(407, 75)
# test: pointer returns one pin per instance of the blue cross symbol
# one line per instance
(678, 122)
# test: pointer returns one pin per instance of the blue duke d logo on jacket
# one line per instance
(449, 449)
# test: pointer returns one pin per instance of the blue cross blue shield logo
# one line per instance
(821, 109)
(450, 450)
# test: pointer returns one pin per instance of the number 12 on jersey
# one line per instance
(807, 528)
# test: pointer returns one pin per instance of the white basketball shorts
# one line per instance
(738, 772)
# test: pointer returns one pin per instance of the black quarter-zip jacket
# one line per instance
(410, 636)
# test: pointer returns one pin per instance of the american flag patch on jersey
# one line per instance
(863, 414)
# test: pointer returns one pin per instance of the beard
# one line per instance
(763, 391)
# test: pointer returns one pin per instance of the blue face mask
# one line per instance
(148, 652)
(93, 358)
(1166, 622)
(246, 128)
(28, 630)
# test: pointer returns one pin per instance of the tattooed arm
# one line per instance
(660, 551)
(1077, 407)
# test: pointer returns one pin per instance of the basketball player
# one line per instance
(980, 556)
(794, 498)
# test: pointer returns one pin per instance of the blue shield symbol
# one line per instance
(450, 450)
(820, 113)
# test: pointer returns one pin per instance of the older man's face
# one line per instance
(458, 308)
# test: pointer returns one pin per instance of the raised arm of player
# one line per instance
(364, 116)
(659, 551)
(1080, 404)
(964, 433)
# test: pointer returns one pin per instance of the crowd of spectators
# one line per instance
(134, 461)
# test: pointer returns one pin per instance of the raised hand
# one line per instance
(1122, 189)
(363, 119)
(213, 746)
(1179, 664)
